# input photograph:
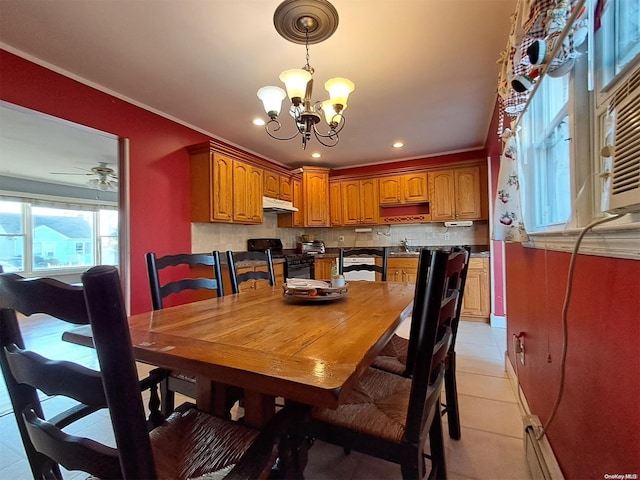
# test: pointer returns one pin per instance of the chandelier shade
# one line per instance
(295, 81)
(312, 21)
(272, 99)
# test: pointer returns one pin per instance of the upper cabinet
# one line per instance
(277, 186)
(456, 194)
(247, 193)
(315, 196)
(211, 186)
(360, 203)
(404, 189)
(223, 188)
(294, 219)
(335, 203)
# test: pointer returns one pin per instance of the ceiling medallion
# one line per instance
(306, 22)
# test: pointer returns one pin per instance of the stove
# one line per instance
(296, 265)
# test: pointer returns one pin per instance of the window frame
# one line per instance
(28, 201)
(618, 238)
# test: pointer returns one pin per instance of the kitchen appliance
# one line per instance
(359, 274)
(296, 265)
(311, 248)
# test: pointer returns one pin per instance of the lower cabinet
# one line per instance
(322, 268)
(402, 269)
(278, 273)
(476, 302)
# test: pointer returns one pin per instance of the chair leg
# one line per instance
(436, 445)
(451, 393)
(167, 398)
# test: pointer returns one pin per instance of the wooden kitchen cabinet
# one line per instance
(402, 269)
(278, 273)
(315, 196)
(360, 204)
(277, 186)
(335, 204)
(456, 194)
(211, 185)
(247, 193)
(322, 267)
(293, 219)
(476, 302)
(404, 189)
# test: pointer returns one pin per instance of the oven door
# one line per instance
(300, 270)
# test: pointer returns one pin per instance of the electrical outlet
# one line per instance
(447, 236)
(341, 238)
(518, 347)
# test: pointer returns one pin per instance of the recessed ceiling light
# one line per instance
(316, 155)
(259, 122)
(398, 145)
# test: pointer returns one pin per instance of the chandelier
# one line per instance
(306, 22)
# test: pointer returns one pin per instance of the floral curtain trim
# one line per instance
(507, 216)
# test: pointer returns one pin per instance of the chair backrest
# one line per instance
(57, 299)
(435, 310)
(456, 279)
(382, 253)
(115, 386)
(239, 278)
(161, 291)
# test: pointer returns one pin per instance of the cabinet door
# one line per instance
(394, 274)
(254, 203)
(271, 184)
(467, 188)
(414, 188)
(476, 299)
(350, 202)
(442, 195)
(247, 193)
(278, 273)
(315, 186)
(369, 204)
(335, 204)
(390, 190)
(322, 268)
(285, 188)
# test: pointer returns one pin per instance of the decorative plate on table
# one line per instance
(298, 290)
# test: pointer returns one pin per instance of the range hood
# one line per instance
(279, 206)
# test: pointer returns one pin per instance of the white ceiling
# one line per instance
(425, 70)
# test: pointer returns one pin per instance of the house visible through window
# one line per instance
(35, 238)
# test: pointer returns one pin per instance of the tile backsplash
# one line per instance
(219, 236)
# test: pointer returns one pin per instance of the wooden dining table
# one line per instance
(309, 353)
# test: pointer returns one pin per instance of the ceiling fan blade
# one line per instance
(69, 173)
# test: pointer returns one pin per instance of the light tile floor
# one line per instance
(490, 447)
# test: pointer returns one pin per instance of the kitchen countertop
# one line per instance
(396, 252)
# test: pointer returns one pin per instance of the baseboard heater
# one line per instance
(540, 458)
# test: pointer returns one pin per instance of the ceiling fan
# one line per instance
(106, 181)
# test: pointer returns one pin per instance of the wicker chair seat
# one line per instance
(393, 357)
(193, 444)
(376, 406)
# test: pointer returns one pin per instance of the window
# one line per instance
(546, 155)
(618, 39)
(562, 127)
(40, 237)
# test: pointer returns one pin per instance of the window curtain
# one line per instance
(507, 216)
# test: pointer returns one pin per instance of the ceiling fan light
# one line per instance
(295, 81)
(339, 90)
(272, 99)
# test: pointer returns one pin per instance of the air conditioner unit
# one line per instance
(622, 149)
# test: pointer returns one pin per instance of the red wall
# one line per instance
(597, 428)
(159, 164)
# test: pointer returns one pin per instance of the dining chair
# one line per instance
(180, 264)
(389, 416)
(238, 278)
(381, 253)
(399, 351)
(66, 303)
(190, 443)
